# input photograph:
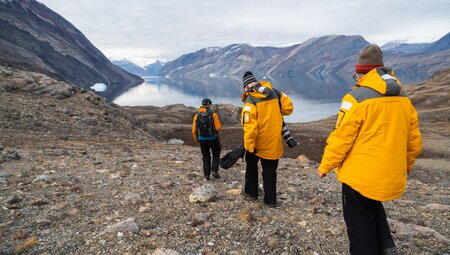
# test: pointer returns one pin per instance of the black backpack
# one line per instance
(205, 123)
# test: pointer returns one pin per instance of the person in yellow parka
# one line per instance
(262, 120)
(205, 130)
(373, 147)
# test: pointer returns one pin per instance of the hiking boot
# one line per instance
(216, 175)
(247, 197)
(206, 178)
(390, 251)
(270, 205)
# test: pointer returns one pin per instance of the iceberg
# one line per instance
(99, 87)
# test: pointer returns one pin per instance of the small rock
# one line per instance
(12, 155)
(245, 216)
(265, 220)
(39, 202)
(3, 181)
(272, 242)
(315, 201)
(203, 194)
(102, 171)
(234, 192)
(114, 175)
(5, 175)
(302, 224)
(21, 234)
(163, 251)
(167, 185)
(43, 222)
(69, 178)
(144, 208)
(437, 207)
(202, 216)
(334, 231)
(127, 225)
(406, 231)
(5, 224)
(43, 178)
(119, 234)
(102, 242)
(234, 253)
(13, 199)
(175, 141)
(97, 162)
(303, 159)
(133, 197)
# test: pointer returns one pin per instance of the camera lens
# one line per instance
(288, 137)
(291, 142)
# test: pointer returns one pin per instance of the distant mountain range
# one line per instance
(148, 70)
(36, 38)
(317, 58)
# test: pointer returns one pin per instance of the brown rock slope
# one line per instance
(79, 175)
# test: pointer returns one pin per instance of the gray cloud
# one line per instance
(167, 29)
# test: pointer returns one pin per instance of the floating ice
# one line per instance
(99, 87)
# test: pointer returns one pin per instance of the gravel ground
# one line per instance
(79, 175)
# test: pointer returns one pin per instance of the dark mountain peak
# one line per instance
(440, 45)
(34, 37)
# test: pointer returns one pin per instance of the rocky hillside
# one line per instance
(33, 103)
(433, 93)
(34, 37)
(79, 175)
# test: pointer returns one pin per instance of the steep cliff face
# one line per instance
(34, 37)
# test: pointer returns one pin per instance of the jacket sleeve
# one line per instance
(217, 124)
(342, 138)
(414, 141)
(249, 121)
(286, 104)
(194, 128)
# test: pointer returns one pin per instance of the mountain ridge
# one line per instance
(34, 36)
(332, 55)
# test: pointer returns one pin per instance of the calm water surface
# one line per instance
(313, 100)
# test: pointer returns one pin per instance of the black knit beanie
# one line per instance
(248, 78)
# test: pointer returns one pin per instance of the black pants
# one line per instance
(367, 226)
(269, 177)
(206, 147)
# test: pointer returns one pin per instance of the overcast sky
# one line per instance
(166, 29)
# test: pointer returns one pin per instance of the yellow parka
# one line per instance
(262, 120)
(217, 126)
(376, 139)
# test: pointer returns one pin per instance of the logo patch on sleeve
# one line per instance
(346, 105)
(247, 108)
(246, 117)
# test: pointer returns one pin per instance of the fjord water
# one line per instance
(313, 99)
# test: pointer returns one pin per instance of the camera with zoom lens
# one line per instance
(288, 137)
